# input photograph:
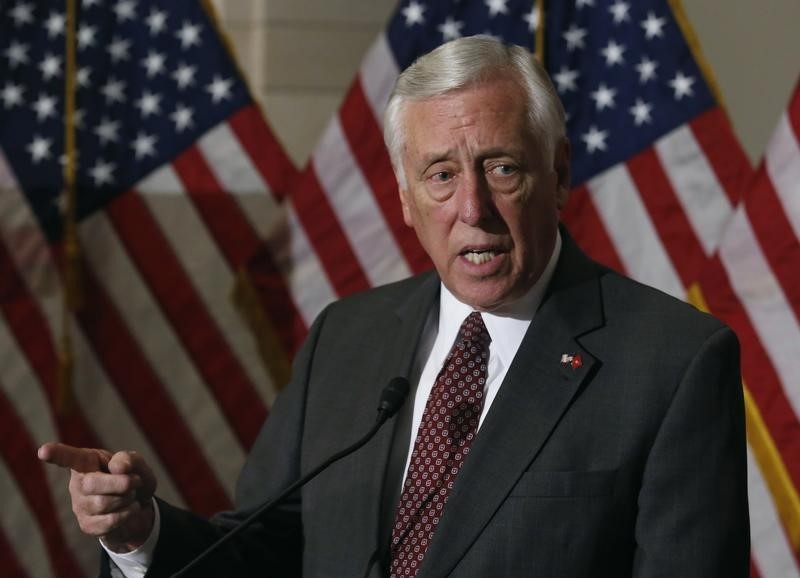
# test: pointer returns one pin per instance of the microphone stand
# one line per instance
(392, 398)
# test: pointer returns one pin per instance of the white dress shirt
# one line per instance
(506, 327)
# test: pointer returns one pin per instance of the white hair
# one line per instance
(465, 62)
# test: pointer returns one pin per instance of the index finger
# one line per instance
(78, 459)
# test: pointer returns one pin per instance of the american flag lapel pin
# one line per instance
(571, 360)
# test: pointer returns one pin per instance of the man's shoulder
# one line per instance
(638, 303)
(390, 296)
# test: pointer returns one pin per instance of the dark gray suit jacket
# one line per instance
(632, 464)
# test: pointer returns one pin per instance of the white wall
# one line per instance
(301, 55)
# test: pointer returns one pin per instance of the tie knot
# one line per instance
(473, 329)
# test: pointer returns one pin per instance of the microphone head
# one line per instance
(393, 396)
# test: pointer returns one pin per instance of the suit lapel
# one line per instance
(536, 392)
(401, 333)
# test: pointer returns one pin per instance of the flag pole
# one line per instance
(275, 359)
(540, 31)
(71, 295)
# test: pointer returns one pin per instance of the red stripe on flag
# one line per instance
(175, 294)
(268, 156)
(668, 217)
(757, 368)
(220, 211)
(724, 153)
(366, 143)
(274, 297)
(793, 111)
(149, 403)
(10, 564)
(237, 239)
(586, 227)
(754, 573)
(19, 451)
(776, 237)
(32, 334)
(326, 235)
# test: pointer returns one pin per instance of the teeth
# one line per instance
(479, 257)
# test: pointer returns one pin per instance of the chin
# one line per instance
(483, 298)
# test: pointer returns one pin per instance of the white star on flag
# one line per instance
(55, 24)
(219, 89)
(118, 49)
(156, 21)
(595, 139)
(581, 3)
(114, 91)
(149, 104)
(619, 10)
(77, 117)
(653, 26)
(154, 63)
(565, 79)
(39, 149)
(86, 36)
(414, 13)
(17, 54)
(646, 69)
(102, 173)
(641, 112)
(682, 85)
(532, 18)
(11, 95)
(496, 7)
(451, 29)
(604, 97)
(45, 107)
(50, 66)
(107, 131)
(184, 75)
(144, 145)
(125, 10)
(574, 37)
(82, 76)
(189, 35)
(613, 53)
(182, 117)
(22, 14)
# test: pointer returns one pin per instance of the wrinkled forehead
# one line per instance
(499, 104)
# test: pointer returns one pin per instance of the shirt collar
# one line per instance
(507, 327)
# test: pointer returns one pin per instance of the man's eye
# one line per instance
(442, 176)
(503, 170)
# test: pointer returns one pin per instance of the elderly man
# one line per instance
(565, 420)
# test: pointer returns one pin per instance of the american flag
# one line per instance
(753, 284)
(178, 185)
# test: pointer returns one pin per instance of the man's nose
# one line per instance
(474, 199)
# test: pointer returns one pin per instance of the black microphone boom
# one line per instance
(392, 398)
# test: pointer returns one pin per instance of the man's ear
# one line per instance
(561, 164)
(404, 203)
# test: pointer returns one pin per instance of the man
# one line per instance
(566, 421)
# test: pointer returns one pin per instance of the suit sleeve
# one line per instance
(692, 508)
(273, 545)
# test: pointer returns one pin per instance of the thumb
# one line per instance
(133, 464)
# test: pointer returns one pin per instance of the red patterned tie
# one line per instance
(445, 436)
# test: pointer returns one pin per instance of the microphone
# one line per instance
(392, 398)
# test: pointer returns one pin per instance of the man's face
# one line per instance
(480, 194)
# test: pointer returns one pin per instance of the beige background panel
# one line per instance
(327, 58)
(301, 55)
(753, 48)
